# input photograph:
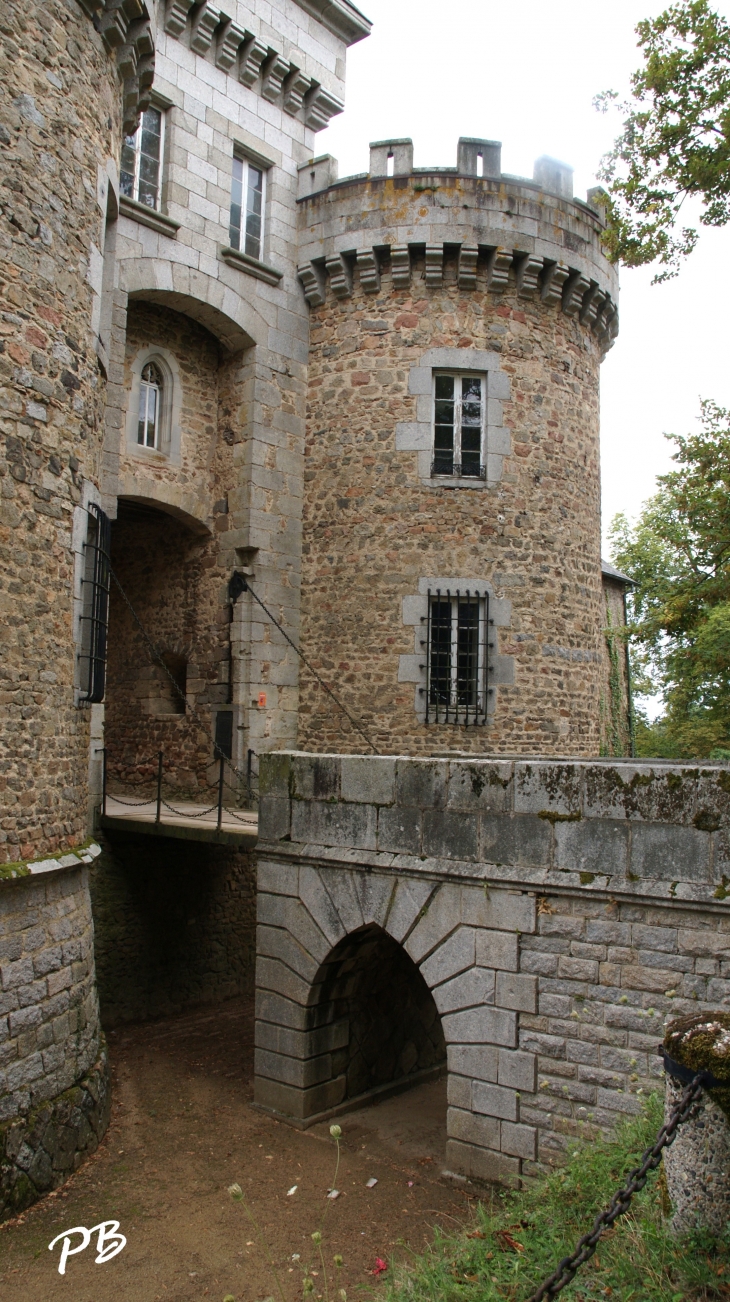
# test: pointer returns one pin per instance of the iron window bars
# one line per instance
(458, 428)
(95, 585)
(139, 175)
(247, 208)
(457, 657)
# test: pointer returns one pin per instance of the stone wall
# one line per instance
(558, 913)
(174, 926)
(53, 1093)
(171, 554)
(437, 270)
(43, 1149)
(60, 123)
(258, 82)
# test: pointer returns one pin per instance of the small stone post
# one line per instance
(697, 1165)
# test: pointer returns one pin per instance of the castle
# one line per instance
(371, 401)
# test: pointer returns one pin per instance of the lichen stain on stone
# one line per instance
(551, 816)
(702, 1042)
(705, 821)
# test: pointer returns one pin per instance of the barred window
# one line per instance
(140, 172)
(247, 208)
(151, 391)
(94, 606)
(458, 426)
(457, 657)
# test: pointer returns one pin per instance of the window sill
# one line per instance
(250, 266)
(455, 481)
(140, 212)
(148, 454)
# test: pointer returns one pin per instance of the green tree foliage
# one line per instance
(675, 141)
(678, 554)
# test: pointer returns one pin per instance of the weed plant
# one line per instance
(309, 1288)
(518, 1238)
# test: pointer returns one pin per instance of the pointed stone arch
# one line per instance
(310, 918)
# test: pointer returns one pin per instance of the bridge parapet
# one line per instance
(556, 911)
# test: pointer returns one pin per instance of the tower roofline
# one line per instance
(341, 17)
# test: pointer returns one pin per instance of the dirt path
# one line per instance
(183, 1130)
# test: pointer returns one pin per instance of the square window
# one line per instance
(459, 426)
(247, 208)
(140, 175)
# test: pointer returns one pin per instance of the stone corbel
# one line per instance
(114, 22)
(274, 73)
(434, 265)
(319, 106)
(592, 303)
(295, 88)
(339, 274)
(227, 46)
(603, 316)
(500, 261)
(204, 24)
(400, 266)
(252, 56)
(468, 255)
(574, 291)
(176, 16)
(312, 284)
(553, 279)
(528, 275)
(367, 265)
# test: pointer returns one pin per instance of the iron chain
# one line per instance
(621, 1201)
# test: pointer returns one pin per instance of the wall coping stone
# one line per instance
(58, 863)
(629, 828)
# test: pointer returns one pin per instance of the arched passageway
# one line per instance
(382, 1013)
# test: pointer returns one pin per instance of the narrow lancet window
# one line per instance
(150, 406)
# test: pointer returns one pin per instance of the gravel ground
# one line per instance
(182, 1130)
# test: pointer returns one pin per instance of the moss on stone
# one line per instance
(10, 870)
(702, 1043)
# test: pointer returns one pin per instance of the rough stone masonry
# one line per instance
(557, 912)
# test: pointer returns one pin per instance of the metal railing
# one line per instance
(157, 797)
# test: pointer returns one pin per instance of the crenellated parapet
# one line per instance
(505, 233)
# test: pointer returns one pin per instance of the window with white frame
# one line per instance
(458, 425)
(140, 175)
(457, 657)
(151, 398)
(247, 208)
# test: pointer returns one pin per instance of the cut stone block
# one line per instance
(494, 1100)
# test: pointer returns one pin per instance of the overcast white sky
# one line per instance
(525, 73)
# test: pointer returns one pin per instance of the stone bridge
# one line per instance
(524, 926)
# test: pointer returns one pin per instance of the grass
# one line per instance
(518, 1239)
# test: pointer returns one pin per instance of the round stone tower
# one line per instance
(451, 575)
(74, 78)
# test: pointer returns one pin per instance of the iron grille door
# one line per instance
(95, 599)
(457, 657)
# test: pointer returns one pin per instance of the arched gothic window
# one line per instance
(151, 397)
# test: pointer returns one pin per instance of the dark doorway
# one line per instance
(394, 1030)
